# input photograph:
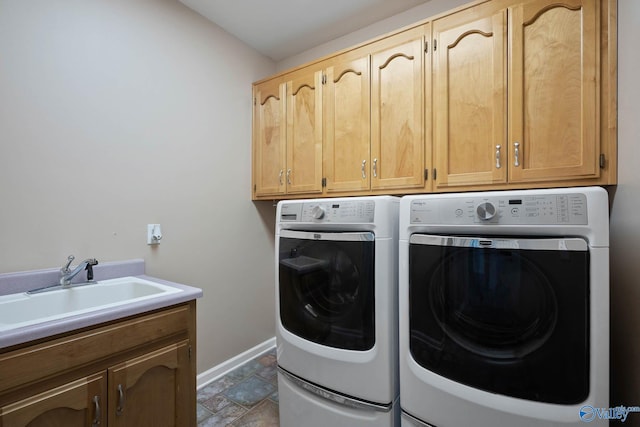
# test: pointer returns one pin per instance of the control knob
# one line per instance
(317, 212)
(486, 211)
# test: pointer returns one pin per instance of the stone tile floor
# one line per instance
(246, 396)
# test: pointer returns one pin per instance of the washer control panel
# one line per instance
(560, 209)
(342, 212)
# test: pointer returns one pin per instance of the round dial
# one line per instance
(486, 211)
(318, 212)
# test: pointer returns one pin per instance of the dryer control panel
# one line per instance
(344, 212)
(549, 209)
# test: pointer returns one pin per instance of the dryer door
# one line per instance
(508, 316)
(326, 287)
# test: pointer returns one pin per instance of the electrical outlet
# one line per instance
(154, 234)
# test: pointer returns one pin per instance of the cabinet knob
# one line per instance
(375, 168)
(280, 176)
(498, 147)
(289, 176)
(516, 154)
(364, 164)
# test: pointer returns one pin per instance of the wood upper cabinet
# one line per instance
(287, 135)
(397, 111)
(79, 403)
(269, 138)
(146, 391)
(545, 64)
(375, 115)
(357, 120)
(469, 99)
(347, 157)
(304, 132)
(500, 94)
(553, 90)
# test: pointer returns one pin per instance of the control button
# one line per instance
(318, 212)
(459, 212)
(515, 211)
(486, 211)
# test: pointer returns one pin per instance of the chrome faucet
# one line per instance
(66, 274)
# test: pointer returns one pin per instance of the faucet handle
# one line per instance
(90, 263)
(70, 259)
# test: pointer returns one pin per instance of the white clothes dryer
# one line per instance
(504, 308)
(336, 305)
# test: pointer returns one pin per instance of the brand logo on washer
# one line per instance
(317, 236)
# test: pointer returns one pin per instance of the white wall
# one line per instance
(625, 220)
(119, 113)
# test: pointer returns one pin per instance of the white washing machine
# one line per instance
(504, 308)
(336, 305)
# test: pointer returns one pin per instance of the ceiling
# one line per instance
(282, 28)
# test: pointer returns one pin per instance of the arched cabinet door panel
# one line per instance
(347, 157)
(79, 403)
(304, 132)
(470, 77)
(397, 111)
(553, 90)
(146, 391)
(269, 138)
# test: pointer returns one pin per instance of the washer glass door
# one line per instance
(508, 316)
(326, 287)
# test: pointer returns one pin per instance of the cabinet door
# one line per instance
(470, 76)
(347, 121)
(79, 403)
(153, 390)
(397, 127)
(269, 138)
(553, 80)
(304, 132)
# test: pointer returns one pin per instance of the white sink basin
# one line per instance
(18, 310)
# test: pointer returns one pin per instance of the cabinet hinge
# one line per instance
(435, 45)
(602, 161)
(324, 182)
(426, 174)
(435, 174)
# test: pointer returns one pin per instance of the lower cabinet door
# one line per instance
(152, 390)
(79, 403)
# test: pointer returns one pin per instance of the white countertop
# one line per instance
(11, 283)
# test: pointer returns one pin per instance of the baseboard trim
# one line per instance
(217, 371)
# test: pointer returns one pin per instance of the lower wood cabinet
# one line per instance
(148, 390)
(78, 403)
(148, 381)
